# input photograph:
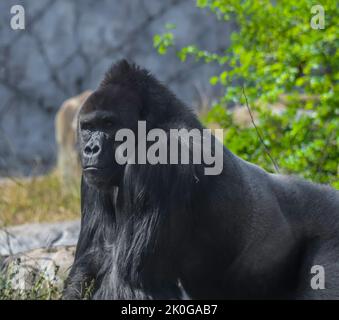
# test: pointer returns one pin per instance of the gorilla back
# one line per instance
(168, 230)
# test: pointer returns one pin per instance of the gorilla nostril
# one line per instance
(88, 150)
(91, 150)
(96, 149)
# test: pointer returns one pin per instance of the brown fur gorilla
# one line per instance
(148, 231)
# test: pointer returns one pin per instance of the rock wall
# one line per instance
(65, 49)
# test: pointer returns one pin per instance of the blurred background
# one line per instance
(267, 72)
(65, 49)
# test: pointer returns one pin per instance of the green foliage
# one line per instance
(165, 40)
(277, 56)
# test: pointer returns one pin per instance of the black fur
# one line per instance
(242, 234)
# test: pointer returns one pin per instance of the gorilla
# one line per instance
(169, 231)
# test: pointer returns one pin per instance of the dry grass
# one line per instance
(38, 199)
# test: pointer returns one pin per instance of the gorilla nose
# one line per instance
(91, 150)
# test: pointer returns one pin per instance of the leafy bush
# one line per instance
(277, 56)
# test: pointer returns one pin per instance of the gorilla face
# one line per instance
(105, 112)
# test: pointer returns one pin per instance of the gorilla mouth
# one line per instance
(93, 169)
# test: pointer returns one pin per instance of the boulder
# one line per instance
(38, 268)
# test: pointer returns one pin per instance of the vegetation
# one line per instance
(40, 285)
(41, 288)
(276, 56)
(37, 199)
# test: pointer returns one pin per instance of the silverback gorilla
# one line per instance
(166, 231)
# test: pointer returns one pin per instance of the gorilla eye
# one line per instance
(86, 126)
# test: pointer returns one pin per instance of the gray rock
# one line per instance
(51, 266)
(27, 237)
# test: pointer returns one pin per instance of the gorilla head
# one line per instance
(126, 95)
(107, 110)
